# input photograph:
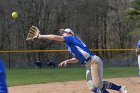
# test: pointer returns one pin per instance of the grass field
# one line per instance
(33, 76)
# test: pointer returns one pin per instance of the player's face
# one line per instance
(66, 34)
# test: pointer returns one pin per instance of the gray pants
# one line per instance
(94, 73)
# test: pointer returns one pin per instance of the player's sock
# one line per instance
(105, 91)
(110, 85)
(97, 90)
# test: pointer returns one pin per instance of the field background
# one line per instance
(101, 24)
(36, 76)
(67, 80)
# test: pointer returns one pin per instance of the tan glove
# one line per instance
(33, 33)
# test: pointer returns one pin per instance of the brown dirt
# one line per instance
(74, 86)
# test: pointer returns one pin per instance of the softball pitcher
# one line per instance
(81, 53)
(138, 54)
(3, 86)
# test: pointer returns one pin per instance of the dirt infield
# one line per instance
(74, 86)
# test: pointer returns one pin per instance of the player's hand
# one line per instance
(64, 63)
(33, 33)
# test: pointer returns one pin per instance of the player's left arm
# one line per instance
(34, 33)
(51, 37)
(68, 61)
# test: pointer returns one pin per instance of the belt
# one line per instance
(88, 59)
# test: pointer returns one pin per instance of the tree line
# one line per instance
(101, 24)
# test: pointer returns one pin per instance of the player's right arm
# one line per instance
(51, 37)
(68, 61)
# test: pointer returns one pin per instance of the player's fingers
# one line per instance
(28, 39)
(65, 63)
(60, 64)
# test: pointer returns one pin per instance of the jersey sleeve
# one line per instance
(69, 39)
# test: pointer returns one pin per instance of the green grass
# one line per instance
(33, 76)
(116, 72)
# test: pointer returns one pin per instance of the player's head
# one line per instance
(66, 32)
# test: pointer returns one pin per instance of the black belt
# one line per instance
(88, 59)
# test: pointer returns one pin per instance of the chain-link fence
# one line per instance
(51, 58)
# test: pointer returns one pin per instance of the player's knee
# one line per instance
(90, 85)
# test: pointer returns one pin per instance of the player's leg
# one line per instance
(105, 91)
(3, 86)
(94, 73)
(90, 83)
(139, 65)
(97, 75)
(97, 71)
(112, 86)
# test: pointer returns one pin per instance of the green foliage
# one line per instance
(134, 11)
(135, 4)
(130, 17)
(34, 76)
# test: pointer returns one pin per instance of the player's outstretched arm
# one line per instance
(34, 33)
(69, 61)
(51, 37)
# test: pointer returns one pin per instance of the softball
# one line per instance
(14, 15)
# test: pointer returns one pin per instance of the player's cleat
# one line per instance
(123, 89)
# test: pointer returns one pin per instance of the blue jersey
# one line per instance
(138, 44)
(78, 49)
(3, 86)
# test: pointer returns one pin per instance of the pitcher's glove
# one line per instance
(33, 33)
